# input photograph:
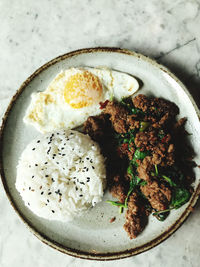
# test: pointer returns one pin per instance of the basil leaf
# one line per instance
(140, 154)
(180, 197)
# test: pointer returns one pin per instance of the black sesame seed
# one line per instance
(33, 148)
(42, 193)
(87, 170)
(57, 162)
(53, 211)
(38, 141)
(46, 162)
(29, 188)
(76, 188)
(62, 148)
(93, 167)
(91, 161)
(36, 165)
(82, 183)
(33, 176)
(87, 158)
(49, 142)
(54, 155)
(63, 155)
(60, 194)
(80, 195)
(52, 180)
(47, 200)
(49, 193)
(28, 203)
(46, 175)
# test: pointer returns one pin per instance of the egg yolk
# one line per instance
(82, 90)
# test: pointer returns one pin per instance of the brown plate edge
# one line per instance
(74, 252)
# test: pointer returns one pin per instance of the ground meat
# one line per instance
(159, 195)
(141, 102)
(132, 122)
(118, 191)
(126, 150)
(145, 168)
(119, 133)
(162, 150)
(159, 111)
(146, 140)
(112, 219)
(118, 116)
(136, 219)
(97, 126)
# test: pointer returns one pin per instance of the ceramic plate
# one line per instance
(93, 236)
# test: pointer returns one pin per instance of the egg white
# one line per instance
(48, 110)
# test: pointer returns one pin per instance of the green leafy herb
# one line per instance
(136, 111)
(169, 180)
(135, 181)
(129, 105)
(140, 154)
(142, 183)
(161, 211)
(115, 203)
(111, 96)
(156, 169)
(131, 187)
(162, 215)
(130, 169)
(180, 197)
(144, 125)
(120, 209)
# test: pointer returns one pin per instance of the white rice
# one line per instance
(61, 174)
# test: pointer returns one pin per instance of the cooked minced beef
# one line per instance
(149, 166)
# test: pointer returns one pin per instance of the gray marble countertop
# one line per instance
(33, 32)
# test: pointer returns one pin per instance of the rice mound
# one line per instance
(61, 174)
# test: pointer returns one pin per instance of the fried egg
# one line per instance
(74, 95)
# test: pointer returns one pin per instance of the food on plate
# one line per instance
(74, 95)
(149, 161)
(61, 174)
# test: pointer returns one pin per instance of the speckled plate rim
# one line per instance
(44, 238)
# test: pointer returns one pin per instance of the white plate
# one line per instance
(93, 236)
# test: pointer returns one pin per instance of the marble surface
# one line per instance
(33, 32)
